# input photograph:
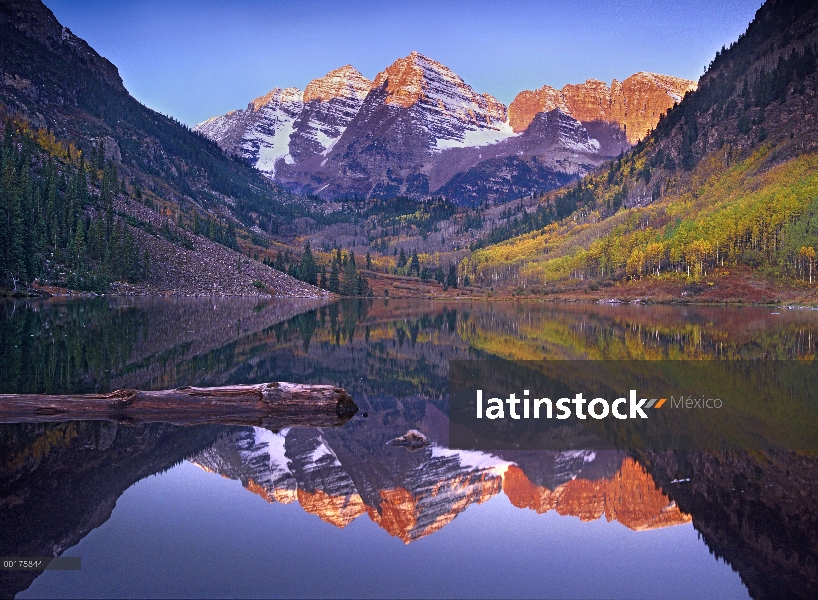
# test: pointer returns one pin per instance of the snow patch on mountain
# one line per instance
(451, 111)
(473, 138)
(270, 148)
(323, 450)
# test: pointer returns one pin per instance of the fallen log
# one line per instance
(272, 405)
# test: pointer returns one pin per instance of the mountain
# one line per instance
(290, 124)
(719, 196)
(262, 131)
(634, 105)
(416, 109)
(555, 149)
(754, 511)
(78, 146)
(57, 81)
(420, 130)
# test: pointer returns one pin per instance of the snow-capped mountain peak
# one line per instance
(346, 82)
(277, 97)
(452, 112)
(261, 132)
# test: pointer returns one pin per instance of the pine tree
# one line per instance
(334, 282)
(16, 224)
(308, 270)
(78, 243)
(363, 288)
(451, 279)
(414, 265)
(350, 284)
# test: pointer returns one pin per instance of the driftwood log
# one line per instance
(271, 405)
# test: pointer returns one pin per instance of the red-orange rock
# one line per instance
(635, 104)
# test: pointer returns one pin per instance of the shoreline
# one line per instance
(487, 297)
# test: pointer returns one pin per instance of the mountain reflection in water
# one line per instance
(60, 482)
(339, 477)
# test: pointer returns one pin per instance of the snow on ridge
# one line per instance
(321, 451)
(473, 138)
(454, 115)
(277, 96)
(345, 82)
(587, 455)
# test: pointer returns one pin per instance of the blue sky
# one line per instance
(194, 59)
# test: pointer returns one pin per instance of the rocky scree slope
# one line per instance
(56, 83)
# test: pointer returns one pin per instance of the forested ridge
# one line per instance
(57, 221)
(60, 83)
(74, 140)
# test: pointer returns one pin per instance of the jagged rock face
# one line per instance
(416, 110)
(634, 104)
(261, 133)
(589, 101)
(409, 494)
(554, 150)
(36, 21)
(643, 98)
(351, 136)
(442, 103)
(344, 83)
(559, 130)
(290, 124)
(330, 103)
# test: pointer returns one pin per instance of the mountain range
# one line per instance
(418, 130)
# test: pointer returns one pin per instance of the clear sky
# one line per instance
(194, 59)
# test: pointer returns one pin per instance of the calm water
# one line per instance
(163, 511)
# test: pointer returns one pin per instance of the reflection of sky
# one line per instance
(194, 59)
(190, 533)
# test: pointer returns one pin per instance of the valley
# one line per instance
(653, 188)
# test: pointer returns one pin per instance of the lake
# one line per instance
(212, 511)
